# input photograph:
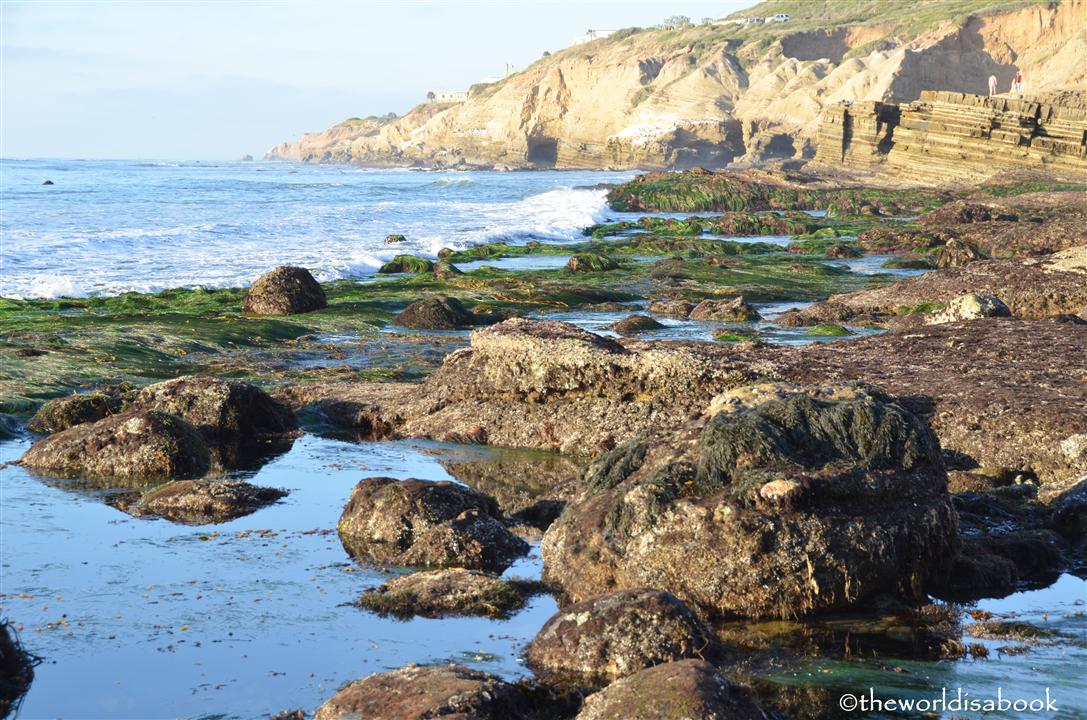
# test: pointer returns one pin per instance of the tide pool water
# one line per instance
(106, 227)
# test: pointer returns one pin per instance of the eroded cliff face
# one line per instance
(709, 95)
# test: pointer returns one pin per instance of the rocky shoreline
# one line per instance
(940, 456)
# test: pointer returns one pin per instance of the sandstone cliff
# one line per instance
(719, 94)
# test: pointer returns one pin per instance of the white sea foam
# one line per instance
(126, 227)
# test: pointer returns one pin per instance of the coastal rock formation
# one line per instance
(969, 307)
(847, 483)
(590, 262)
(1038, 288)
(956, 253)
(285, 291)
(200, 502)
(223, 410)
(444, 593)
(422, 523)
(138, 445)
(62, 413)
(448, 691)
(716, 93)
(953, 136)
(683, 689)
(736, 310)
(550, 385)
(617, 634)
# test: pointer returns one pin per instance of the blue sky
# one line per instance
(215, 80)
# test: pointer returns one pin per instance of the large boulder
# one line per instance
(285, 291)
(687, 689)
(444, 593)
(782, 503)
(617, 634)
(137, 445)
(735, 310)
(414, 692)
(422, 523)
(436, 313)
(200, 502)
(223, 410)
(62, 413)
(972, 306)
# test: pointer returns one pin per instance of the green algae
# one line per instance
(829, 330)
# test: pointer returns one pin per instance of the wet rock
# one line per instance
(422, 523)
(136, 445)
(855, 500)
(998, 564)
(679, 308)
(285, 291)
(223, 410)
(969, 307)
(617, 634)
(444, 593)
(407, 264)
(1069, 513)
(48, 182)
(436, 313)
(591, 262)
(635, 325)
(414, 692)
(394, 239)
(16, 670)
(200, 502)
(735, 310)
(843, 251)
(956, 253)
(688, 689)
(62, 413)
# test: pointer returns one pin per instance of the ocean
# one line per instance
(111, 226)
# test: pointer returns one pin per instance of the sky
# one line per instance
(217, 80)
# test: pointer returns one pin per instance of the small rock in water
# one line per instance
(617, 634)
(394, 238)
(199, 502)
(735, 310)
(635, 325)
(413, 692)
(443, 593)
(422, 523)
(48, 182)
(683, 689)
(436, 313)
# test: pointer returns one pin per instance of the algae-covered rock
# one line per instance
(444, 270)
(421, 523)
(635, 325)
(223, 410)
(956, 253)
(444, 593)
(285, 291)
(16, 670)
(436, 313)
(136, 445)
(910, 261)
(972, 306)
(407, 264)
(416, 692)
(62, 413)
(842, 251)
(735, 310)
(200, 502)
(591, 262)
(394, 239)
(956, 213)
(617, 634)
(679, 308)
(812, 500)
(687, 689)
(829, 330)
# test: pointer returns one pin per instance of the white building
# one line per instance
(592, 35)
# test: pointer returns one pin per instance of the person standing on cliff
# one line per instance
(1018, 81)
(992, 85)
